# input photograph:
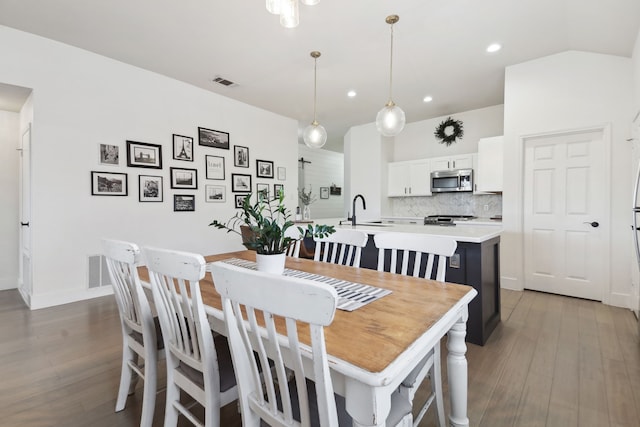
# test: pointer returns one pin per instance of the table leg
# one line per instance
(368, 406)
(457, 372)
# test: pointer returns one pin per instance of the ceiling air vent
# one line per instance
(224, 82)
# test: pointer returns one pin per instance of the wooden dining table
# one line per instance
(373, 348)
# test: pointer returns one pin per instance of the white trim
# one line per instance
(606, 129)
(58, 298)
(511, 283)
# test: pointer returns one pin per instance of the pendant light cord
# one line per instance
(315, 86)
(391, 68)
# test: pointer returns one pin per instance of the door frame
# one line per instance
(25, 289)
(605, 129)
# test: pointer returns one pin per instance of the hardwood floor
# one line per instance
(553, 361)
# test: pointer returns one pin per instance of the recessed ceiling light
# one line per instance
(427, 99)
(351, 93)
(494, 47)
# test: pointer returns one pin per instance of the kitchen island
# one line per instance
(476, 262)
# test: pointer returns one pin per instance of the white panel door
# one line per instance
(24, 279)
(565, 202)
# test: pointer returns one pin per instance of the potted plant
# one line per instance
(263, 227)
(306, 199)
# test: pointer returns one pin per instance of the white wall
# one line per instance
(9, 161)
(81, 100)
(569, 90)
(326, 168)
(417, 139)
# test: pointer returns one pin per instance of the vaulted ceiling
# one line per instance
(439, 47)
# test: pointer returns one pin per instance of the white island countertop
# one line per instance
(462, 233)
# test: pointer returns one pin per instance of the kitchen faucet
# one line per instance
(364, 206)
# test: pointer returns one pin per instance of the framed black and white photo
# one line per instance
(184, 203)
(213, 138)
(182, 148)
(109, 155)
(143, 155)
(240, 183)
(215, 167)
(277, 189)
(263, 191)
(239, 200)
(184, 178)
(240, 156)
(149, 188)
(282, 173)
(264, 169)
(215, 193)
(109, 184)
(324, 192)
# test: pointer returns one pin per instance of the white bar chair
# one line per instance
(342, 247)
(294, 249)
(197, 362)
(141, 335)
(253, 303)
(433, 251)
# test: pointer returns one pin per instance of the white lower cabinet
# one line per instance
(409, 178)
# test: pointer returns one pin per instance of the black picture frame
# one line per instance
(240, 156)
(213, 138)
(239, 200)
(240, 183)
(214, 167)
(109, 184)
(262, 192)
(144, 155)
(184, 203)
(183, 178)
(324, 192)
(277, 188)
(150, 188)
(182, 148)
(264, 169)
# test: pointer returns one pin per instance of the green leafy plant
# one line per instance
(266, 223)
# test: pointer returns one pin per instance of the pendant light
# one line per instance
(390, 120)
(314, 135)
(289, 15)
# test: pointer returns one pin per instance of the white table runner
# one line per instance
(351, 296)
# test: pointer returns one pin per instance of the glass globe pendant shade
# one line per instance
(273, 6)
(289, 14)
(314, 135)
(390, 120)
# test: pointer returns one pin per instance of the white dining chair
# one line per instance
(142, 344)
(198, 363)
(269, 364)
(294, 233)
(429, 253)
(342, 247)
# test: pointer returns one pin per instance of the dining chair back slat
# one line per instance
(251, 314)
(342, 247)
(193, 364)
(294, 248)
(140, 334)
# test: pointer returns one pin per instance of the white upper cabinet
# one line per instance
(409, 178)
(462, 161)
(489, 168)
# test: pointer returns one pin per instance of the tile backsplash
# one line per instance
(482, 205)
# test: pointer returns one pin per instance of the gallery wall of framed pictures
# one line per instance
(209, 159)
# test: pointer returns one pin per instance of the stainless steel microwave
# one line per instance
(450, 181)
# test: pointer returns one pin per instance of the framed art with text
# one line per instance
(214, 167)
(109, 184)
(144, 155)
(213, 138)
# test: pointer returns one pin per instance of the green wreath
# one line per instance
(449, 130)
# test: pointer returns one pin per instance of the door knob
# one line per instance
(594, 224)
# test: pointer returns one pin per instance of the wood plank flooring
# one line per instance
(553, 361)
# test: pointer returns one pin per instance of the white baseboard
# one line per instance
(511, 283)
(59, 298)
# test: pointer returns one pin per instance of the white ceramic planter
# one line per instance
(271, 263)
